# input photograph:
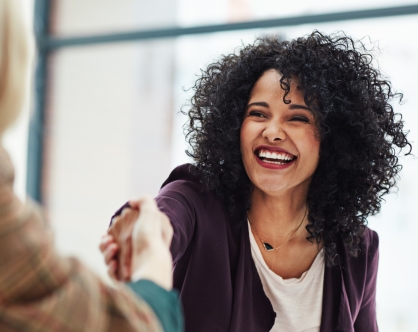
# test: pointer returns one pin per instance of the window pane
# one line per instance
(79, 17)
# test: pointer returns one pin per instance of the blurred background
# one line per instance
(106, 124)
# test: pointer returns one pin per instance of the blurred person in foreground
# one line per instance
(294, 144)
(43, 291)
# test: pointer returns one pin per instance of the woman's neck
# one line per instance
(277, 216)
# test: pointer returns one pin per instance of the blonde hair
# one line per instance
(15, 56)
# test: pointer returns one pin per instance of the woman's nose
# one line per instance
(274, 132)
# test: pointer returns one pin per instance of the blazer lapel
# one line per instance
(345, 318)
(331, 298)
(336, 313)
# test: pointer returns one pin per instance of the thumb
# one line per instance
(145, 201)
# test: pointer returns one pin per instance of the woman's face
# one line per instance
(279, 142)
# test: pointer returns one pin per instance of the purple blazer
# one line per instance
(219, 285)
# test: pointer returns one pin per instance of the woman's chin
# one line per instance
(281, 186)
(271, 187)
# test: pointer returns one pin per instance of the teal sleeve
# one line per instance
(165, 304)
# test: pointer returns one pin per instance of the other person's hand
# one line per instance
(151, 238)
(110, 251)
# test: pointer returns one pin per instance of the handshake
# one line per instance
(137, 244)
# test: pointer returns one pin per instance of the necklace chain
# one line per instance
(267, 245)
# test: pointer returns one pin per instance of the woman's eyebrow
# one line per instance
(258, 103)
(299, 106)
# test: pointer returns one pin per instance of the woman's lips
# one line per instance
(272, 165)
(274, 157)
(273, 149)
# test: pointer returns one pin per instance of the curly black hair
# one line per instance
(359, 131)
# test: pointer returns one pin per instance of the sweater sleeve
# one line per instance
(366, 319)
(177, 201)
(165, 304)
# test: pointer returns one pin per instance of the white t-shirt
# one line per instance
(297, 302)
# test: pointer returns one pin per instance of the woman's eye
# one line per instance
(256, 114)
(300, 119)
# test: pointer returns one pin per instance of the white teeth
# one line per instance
(273, 162)
(274, 155)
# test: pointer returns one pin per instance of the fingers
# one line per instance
(125, 260)
(112, 270)
(110, 253)
(121, 222)
(110, 249)
(127, 220)
(105, 241)
(145, 202)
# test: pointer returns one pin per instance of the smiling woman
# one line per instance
(294, 147)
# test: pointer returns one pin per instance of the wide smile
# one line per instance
(274, 158)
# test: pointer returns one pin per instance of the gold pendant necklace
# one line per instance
(267, 245)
